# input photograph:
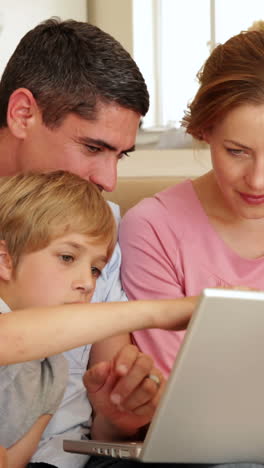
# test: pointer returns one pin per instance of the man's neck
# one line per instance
(8, 153)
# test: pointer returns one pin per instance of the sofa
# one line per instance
(130, 190)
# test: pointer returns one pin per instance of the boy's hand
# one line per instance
(3, 457)
(122, 395)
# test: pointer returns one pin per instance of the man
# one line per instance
(71, 98)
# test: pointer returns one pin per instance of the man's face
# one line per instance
(63, 272)
(88, 148)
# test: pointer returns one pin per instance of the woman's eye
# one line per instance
(96, 272)
(67, 258)
(236, 152)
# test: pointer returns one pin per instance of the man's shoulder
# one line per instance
(115, 209)
(108, 286)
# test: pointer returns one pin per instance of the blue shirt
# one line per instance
(73, 418)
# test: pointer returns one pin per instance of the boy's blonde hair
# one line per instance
(37, 208)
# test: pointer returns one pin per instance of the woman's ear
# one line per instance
(21, 112)
(6, 264)
(206, 136)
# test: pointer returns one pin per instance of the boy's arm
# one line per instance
(19, 454)
(3, 457)
(41, 332)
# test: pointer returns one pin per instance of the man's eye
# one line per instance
(124, 155)
(67, 258)
(96, 272)
(92, 149)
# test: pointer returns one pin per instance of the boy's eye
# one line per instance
(67, 258)
(96, 272)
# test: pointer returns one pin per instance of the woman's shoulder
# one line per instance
(181, 193)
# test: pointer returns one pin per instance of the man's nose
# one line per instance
(105, 175)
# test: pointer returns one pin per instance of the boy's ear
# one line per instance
(21, 112)
(6, 264)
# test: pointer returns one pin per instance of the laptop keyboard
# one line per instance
(112, 452)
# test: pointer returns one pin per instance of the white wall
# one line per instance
(159, 163)
(114, 17)
(18, 16)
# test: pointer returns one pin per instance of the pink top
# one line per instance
(171, 250)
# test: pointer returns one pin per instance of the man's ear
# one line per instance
(6, 264)
(21, 112)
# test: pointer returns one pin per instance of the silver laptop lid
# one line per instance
(213, 407)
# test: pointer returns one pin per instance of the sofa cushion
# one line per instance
(130, 190)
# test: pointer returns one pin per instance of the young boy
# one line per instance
(56, 235)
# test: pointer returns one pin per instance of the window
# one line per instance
(173, 38)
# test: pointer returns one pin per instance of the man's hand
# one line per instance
(123, 398)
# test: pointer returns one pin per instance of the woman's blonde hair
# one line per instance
(233, 75)
(37, 208)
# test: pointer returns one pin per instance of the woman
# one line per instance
(208, 232)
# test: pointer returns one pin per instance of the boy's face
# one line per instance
(63, 272)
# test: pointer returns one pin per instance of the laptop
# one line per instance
(212, 410)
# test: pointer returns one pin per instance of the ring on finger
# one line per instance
(155, 379)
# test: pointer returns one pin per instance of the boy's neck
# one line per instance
(6, 295)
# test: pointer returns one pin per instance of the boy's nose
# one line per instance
(84, 286)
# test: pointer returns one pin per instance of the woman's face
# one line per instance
(237, 149)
